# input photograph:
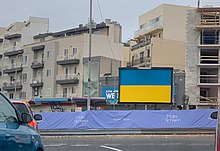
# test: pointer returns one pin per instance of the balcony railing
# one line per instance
(13, 50)
(140, 61)
(37, 64)
(68, 59)
(208, 100)
(148, 28)
(66, 95)
(13, 68)
(12, 85)
(67, 79)
(36, 82)
(140, 45)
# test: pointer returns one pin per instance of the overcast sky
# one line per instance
(65, 14)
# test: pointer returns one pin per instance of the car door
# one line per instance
(13, 135)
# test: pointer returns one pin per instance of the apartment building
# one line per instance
(160, 39)
(202, 57)
(160, 42)
(55, 65)
(13, 39)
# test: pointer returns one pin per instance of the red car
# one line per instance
(24, 107)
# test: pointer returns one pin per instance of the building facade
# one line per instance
(202, 57)
(160, 39)
(160, 42)
(54, 65)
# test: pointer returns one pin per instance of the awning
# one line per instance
(51, 100)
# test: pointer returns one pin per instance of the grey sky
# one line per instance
(65, 14)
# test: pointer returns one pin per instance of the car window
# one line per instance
(21, 107)
(6, 109)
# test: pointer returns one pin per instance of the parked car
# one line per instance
(15, 133)
(24, 107)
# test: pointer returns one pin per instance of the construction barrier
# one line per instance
(132, 119)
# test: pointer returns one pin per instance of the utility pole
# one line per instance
(89, 61)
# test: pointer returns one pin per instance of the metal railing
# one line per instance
(36, 80)
(139, 61)
(211, 79)
(67, 57)
(148, 28)
(67, 76)
(66, 95)
(9, 48)
(14, 65)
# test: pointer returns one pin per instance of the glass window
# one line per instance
(6, 109)
(48, 93)
(21, 107)
(74, 51)
(25, 76)
(49, 54)
(49, 73)
(25, 60)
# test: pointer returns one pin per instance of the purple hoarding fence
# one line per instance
(133, 119)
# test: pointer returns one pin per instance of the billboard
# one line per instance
(111, 94)
(145, 85)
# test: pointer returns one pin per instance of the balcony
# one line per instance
(36, 82)
(208, 101)
(7, 86)
(149, 28)
(13, 68)
(68, 59)
(13, 50)
(36, 64)
(146, 61)
(66, 95)
(67, 79)
(140, 45)
(38, 48)
(13, 36)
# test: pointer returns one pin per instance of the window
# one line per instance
(49, 73)
(25, 77)
(65, 92)
(49, 54)
(141, 57)
(23, 95)
(11, 96)
(48, 92)
(74, 51)
(25, 60)
(73, 90)
(6, 109)
(65, 52)
(74, 70)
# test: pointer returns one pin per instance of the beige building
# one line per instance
(160, 40)
(202, 57)
(13, 39)
(54, 65)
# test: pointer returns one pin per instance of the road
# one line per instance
(130, 143)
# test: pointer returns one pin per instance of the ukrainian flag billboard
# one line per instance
(145, 85)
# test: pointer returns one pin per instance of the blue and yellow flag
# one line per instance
(145, 85)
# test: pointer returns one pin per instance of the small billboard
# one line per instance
(111, 94)
(143, 85)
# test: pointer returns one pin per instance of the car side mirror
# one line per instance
(214, 115)
(26, 117)
(37, 117)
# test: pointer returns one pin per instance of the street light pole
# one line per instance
(15, 79)
(89, 61)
